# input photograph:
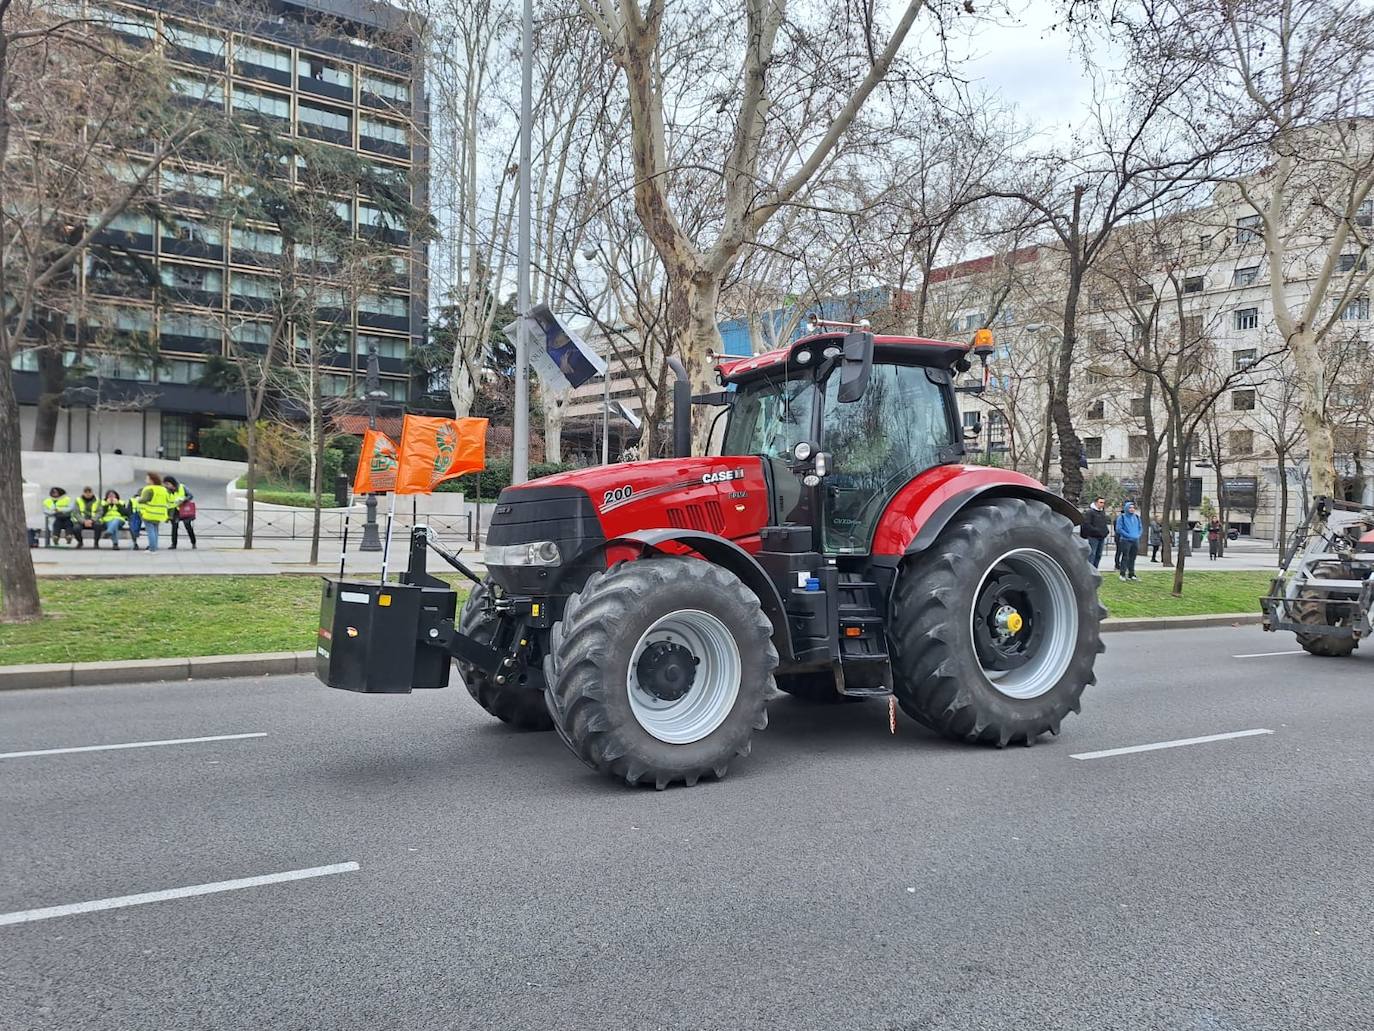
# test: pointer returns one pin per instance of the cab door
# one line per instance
(901, 426)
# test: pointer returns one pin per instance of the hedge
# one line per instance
(496, 477)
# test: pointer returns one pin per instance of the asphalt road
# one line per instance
(839, 878)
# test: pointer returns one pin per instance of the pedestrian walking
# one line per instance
(59, 507)
(1127, 541)
(181, 508)
(87, 516)
(1214, 539)
(114, 515)
(1156, 539)
(152, 509)
(1094, 529)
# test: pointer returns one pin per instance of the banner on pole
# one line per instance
(433, 450)
(560, 358)
(376, 472)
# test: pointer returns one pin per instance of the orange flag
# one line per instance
(376, 472)
(434, 450)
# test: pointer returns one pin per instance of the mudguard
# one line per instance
(722, 552)
(918, 512)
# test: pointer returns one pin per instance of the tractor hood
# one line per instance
(575, 512)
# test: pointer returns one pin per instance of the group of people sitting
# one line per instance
(161, 500)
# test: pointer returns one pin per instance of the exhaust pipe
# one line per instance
(682, 410)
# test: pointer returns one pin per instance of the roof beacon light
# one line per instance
(982, 343)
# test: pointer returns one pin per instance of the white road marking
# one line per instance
(1180, 743)
(26, 916)
(128, 744)
(1265, 655)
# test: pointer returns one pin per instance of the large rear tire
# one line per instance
(520, 706)
(1310, 607)
(995, 627)
(660, 670)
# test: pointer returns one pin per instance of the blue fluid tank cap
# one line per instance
(813, 584)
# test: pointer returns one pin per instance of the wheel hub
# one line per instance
(1024, 623)
(666, 670)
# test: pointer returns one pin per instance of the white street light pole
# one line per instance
(520, 459)
(591, 252)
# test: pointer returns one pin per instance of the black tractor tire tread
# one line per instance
(932, 685)
(520, 706)
(578, 682)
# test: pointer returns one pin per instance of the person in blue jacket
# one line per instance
(1128, 540)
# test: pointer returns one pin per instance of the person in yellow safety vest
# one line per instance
(182, 514)
(87, 517)
(113, 515)
(58, 506)
(152, 508)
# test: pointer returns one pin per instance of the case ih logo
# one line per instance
(723, 476)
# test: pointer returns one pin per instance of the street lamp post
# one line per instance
(590, 252)
(372, 539)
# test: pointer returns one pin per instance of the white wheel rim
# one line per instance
(1056, 624)
(714, 686)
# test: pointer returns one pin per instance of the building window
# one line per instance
(260, 102)
(395, 389)
(1351, 263)
(191, 277)
(387, 88)
(399, 347)
(1240, 442)
(320, 69)
(180, 370)
(256, 241)
(131, 222)
(193, 327)
(1192, 328)
(1097, 410)
(186, 230)
(128, 321)
(395, 132)
(197, 184)
(336, 386)
(1242, 400)
(1243, 359)
(117, 366)
(251, 335)
(1139, 407)
(261, 288)
(1247, 318)
(1245, 276)
(371, 217)
(344, 209)
(1193, 284)
(1137, 445)
(329, 118)
(1249, 229)
(124, 21)
(1355, 310)
(262, 56)
(193, 41)
(1144, 293)
(394, 305)
(202, 90)
(1364, 215)
(1092, 447)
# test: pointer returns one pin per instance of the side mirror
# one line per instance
(975, 431)
(856, 364)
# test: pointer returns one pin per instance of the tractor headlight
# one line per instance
(535, 553)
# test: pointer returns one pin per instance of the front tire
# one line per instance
(520, 706)
(996, 627)
(1310, 607)
(660, 670)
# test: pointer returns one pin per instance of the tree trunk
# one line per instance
(52, 383)
(554, 402)
(317, 487)
(1311, 375)
(1282, 542)
(18, 583)
(1070, 447)
(252, 449)
(1166, 548)
(692, 304)
(1181, 496)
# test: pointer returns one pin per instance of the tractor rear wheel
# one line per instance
(995, 628)
(1310, 607)
(520, 706)
(660, 671)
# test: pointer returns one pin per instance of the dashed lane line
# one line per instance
(1179, 743)
(127, 744)
(1265, 655)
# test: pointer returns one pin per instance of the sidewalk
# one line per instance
(227, 557)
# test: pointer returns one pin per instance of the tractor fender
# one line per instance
(723, 552)
(919, 511)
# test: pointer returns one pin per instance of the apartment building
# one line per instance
(346, 74)
(1200, 287)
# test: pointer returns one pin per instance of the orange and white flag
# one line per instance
(434, 450)
(376, 472)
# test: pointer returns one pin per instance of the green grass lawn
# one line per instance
(88, 620)
(1204, 592)
(149, 617)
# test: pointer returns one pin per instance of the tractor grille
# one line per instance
(706, 517)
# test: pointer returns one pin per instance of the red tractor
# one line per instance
(835, 548)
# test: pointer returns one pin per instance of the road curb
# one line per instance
(144, 671)
(1182, 622)
(216, 667)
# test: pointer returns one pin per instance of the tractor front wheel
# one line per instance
(514, 703)
(660, 670)
(995, 628)
(1309, 606)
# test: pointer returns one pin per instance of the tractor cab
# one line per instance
(842, 423)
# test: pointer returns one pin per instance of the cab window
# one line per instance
(770, 418)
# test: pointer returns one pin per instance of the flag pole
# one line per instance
(386, 548)
(343, 546)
